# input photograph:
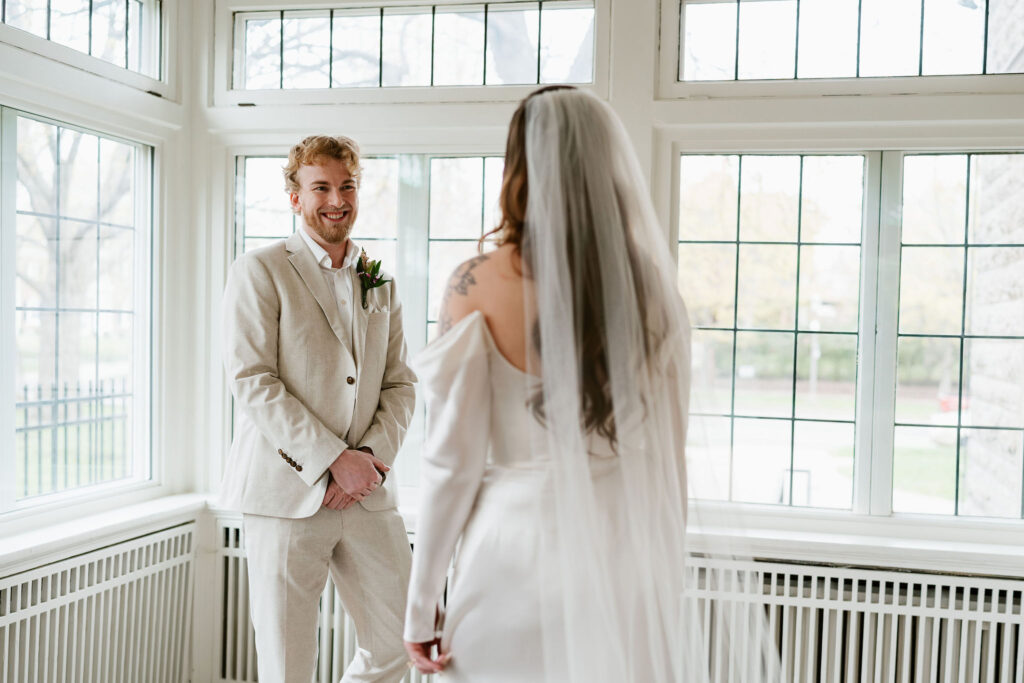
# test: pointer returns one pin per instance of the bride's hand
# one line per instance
(419, 656)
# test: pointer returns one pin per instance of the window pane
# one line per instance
(823, 465)
(997, 199)
(832, 199)
(37, 167)
(456, 197)
(117, 183)
(934, 199)
(764, 374)
(494, 169)
(707, 282)
(444, 258)
(69, 23)
(767, 39)
(109, 31)
(708, 188)
(73, 363)
(931, 290)
(512, 43)
(116, 264)
(826, 376)
(1005, 39)
(761, 461)
(770, 187)
(262, 54)
(79, 162)
(991, 462)
(378, 200)
(356, 49)
(993, 383)
(829, 288)
(767, 287)
(707, 457)
(927, 380)
(459, 45)
(36, 277)
(712, 372)
(306, 51)
(406, 46)
(266, 211)
(954, 37)
(890, 37)
(567, 43)
(77, 267)
(828, 39)
(708, 48)
(28, 15)
(924, 470)
(995, 298)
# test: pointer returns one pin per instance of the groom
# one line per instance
(316, 361)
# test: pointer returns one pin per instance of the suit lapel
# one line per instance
(360, 319)
(302, 260)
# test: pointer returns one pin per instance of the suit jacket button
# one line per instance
(298, 468)
(351, 380)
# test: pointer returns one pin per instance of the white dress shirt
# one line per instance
(339, 280)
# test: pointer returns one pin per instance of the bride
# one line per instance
(554, 479)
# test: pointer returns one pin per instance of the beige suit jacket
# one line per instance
(302, 395)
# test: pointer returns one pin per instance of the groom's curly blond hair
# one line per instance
(317, 147)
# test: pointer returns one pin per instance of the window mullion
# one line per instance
(866, 364)
(887, 315)
(146, 462)
(8, 217)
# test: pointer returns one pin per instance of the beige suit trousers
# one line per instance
(368, 557)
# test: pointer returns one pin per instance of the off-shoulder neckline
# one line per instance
(466, 322)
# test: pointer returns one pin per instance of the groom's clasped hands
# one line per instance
(354, 475)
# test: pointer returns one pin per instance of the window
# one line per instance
(125, 33)
(443, 45)
(959, 419)
(421, 215)
(76, 290)
(725, 40)
(771, 266)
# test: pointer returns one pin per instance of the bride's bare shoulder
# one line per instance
(479, 283)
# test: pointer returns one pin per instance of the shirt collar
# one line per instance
(323, 258)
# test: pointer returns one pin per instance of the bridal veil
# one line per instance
(619, 602)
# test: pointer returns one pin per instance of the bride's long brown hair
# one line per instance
(584, 277)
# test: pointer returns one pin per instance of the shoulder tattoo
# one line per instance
(459, 283)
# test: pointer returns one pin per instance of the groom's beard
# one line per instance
(332, 232)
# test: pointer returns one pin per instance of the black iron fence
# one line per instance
(72, 435)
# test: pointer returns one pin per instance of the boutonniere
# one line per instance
(369, 274)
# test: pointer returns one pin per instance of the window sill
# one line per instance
(986, 547)
(22, 551)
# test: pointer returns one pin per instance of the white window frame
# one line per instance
(166, 34)
(671, 88)
(141, 453)
(885, 145)
(225, 94)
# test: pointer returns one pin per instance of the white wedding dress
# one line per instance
(483, 483)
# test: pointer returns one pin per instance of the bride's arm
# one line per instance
(456, 387)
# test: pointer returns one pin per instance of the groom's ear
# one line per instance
(293, 199)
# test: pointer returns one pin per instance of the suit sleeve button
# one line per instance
(298, 468)
(280, 452)
(351, 380)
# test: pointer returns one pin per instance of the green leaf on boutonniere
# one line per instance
(369, 275)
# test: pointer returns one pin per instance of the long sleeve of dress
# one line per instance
(455, 380)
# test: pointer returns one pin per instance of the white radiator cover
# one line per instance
(118, 614)
(831, 625)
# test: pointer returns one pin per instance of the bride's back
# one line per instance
(493, 284)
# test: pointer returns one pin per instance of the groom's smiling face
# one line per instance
(328, 199)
